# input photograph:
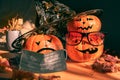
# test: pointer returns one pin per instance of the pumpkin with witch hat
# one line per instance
(84, 41)
(87, 21)
(52, 17)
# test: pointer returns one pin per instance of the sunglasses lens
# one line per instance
(73, 38)
(96, 38)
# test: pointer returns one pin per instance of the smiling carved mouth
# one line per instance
(85, 28)
(91, 51)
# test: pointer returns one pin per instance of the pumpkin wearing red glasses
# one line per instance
(84, 23)
(84, 42)
(82, 47)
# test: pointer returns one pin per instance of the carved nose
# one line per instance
(83, 22)
(84, 41)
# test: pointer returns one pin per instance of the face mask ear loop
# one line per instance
(65, 54)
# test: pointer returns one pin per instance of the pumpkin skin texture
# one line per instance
(43, 43)
(75, 54)
(84, 23)
(83, 51)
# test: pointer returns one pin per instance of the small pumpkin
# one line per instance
(84, 23)
(43, 43)
(82, 47)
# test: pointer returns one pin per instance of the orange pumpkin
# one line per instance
(43, 43)
(82, 47)
(84, 23)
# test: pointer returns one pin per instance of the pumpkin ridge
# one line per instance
(60, 43)
(27, 46)
(33, 38)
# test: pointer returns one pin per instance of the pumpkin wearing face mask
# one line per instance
(43, 43)
(84, 23)
(82, 47)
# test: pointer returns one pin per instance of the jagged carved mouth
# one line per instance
(91, 51)
(45, 49)
(85, 28)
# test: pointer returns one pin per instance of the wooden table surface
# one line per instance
(79, 71)
(83, 71)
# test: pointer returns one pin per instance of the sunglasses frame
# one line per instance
(84, 35)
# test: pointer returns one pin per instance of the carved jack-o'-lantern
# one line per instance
(83, 47)
(43, 43)
(84, 23)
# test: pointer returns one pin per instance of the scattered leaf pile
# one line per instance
(4, 65)
(107, 63)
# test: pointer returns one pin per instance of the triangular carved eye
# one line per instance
(89, 19)
(38, 42)
(49, 40)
